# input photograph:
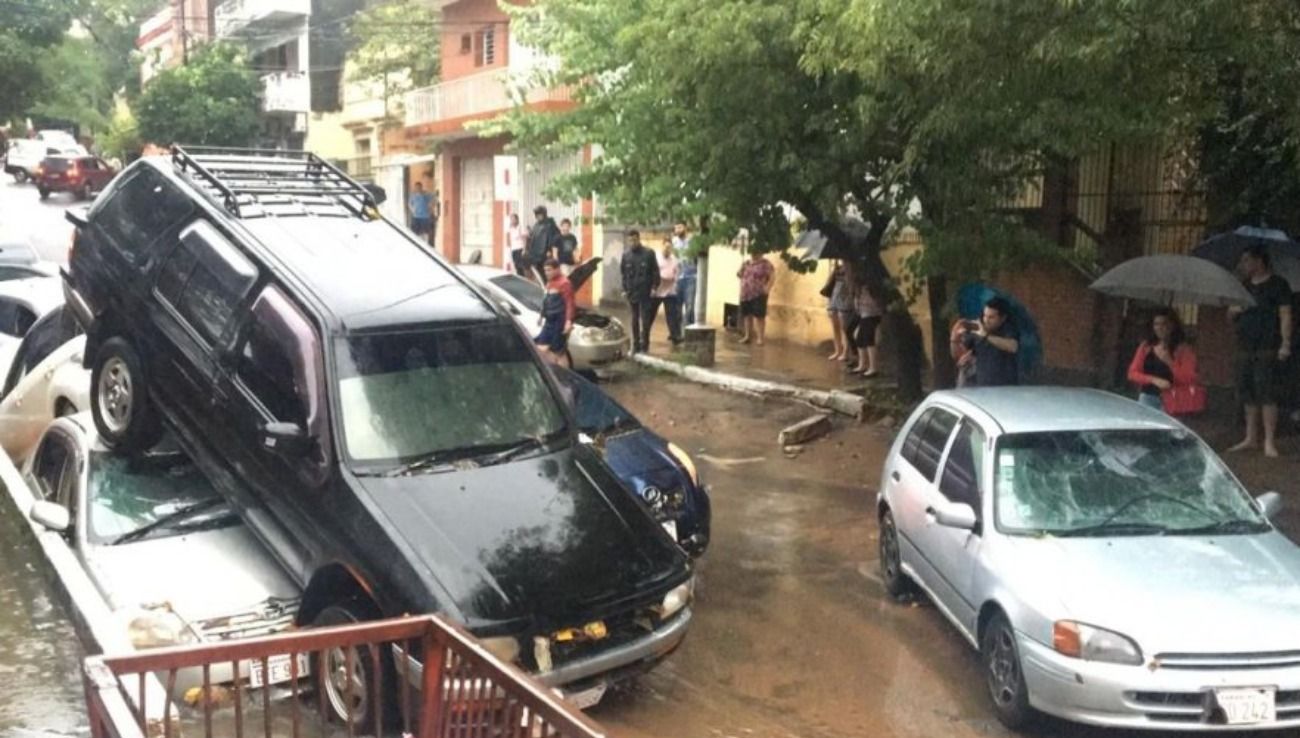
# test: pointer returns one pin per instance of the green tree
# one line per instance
(929, 113)
(212, 100)
(397, 46)
(27, 29)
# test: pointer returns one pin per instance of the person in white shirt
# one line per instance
(665, 294)
(517, 240)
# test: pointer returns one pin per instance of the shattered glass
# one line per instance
(1069, 481)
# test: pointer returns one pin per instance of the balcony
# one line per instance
(477, 97)
(286, 92)
(235, 16)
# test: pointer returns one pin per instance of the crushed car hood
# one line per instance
(543, 539)
(1183, 594)
(200, 575)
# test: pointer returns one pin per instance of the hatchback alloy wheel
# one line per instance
(1004, 675)
(891, 563)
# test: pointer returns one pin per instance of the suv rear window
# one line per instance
(140, 210)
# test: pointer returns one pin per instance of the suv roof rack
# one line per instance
(251, 183)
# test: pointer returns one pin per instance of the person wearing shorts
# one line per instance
(421, 207)
(839, 308)
(868, 312)
(1264, 337)
(756, 278)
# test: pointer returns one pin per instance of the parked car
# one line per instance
(597, 339)
(18, 260)
(659, 472)
(169, 556)
(44, 379)
(83, 176)
(385, 428)
(23, 301)
(1105, 562)
(25, 156)
(57, 137)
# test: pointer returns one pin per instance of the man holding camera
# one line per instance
(994, 341)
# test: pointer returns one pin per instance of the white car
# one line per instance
(1104, 561)
(45, 379)
(24, 301)
(172, 561)
(24, 155)
(597, 340)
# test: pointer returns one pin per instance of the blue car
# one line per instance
(660, 472)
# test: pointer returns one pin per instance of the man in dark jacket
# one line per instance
(640, 270)
(543, 242)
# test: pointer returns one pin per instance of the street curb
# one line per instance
(839, 401)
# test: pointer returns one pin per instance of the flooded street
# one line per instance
(40, 657)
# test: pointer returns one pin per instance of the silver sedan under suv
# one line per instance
(1104, 561)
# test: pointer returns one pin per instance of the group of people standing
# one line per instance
(653, 282)
(531, 248)
(855, 307)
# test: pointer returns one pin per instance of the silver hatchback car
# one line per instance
(1107, 565)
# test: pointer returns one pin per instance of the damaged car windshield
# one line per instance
(130, 495)
(1115, 483)
(420, 394)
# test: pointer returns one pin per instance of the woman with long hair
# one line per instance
(1163, 363)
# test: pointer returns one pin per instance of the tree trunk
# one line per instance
(944, 369)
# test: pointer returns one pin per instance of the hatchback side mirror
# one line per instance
(954, 515)
(286, 439)
(51, 516)
(1270, 503)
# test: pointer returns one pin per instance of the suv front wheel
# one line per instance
(119, 400)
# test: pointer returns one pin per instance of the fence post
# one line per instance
(435, 655)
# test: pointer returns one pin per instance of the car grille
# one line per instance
(1216, 661)
(1194, 707)
(269, 617)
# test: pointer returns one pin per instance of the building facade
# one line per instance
(167, 37)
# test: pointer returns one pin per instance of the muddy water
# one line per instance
(40, 656)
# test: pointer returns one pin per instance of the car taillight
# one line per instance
(40, 169)
(72, 244)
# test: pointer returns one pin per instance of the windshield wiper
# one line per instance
(427, 462)
(1110, 528)
(1240, 525)
(504, 452)
(169, 520)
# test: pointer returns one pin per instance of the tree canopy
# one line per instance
(27, 29)
(212, 100)
(397, 46)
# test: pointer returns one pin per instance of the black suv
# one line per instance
(384, 427)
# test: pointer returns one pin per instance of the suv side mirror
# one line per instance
(954, 515)
(376, 192)
(51, 516)
(286, 439)
(1270, 503)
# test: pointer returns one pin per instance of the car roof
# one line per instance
(367, 273)
(17, 251)
(42, 293)
(1050, 409)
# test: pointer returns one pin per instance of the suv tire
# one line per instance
(20, 176)
(119, 398)
(85, 193)
(329, 670)
(45, 194)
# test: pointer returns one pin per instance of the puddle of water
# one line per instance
(40, 656)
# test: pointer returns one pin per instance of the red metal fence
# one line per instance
(462, 691)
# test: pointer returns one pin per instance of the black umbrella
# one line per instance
(1225, 249)
(819, 245)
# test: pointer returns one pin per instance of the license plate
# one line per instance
(1248, 706)
(277, 668)
(587, 698)
(671, 527)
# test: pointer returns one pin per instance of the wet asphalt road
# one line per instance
(793, 635)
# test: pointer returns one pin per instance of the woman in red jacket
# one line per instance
(1163, 362)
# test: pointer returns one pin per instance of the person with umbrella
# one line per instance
(1164, 364)
(1263, 346)
(994, 341)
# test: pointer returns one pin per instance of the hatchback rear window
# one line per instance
(57, 165)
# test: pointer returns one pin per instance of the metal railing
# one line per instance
(461, 691)
(475, 95)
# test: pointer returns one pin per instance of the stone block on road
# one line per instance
(805, 430)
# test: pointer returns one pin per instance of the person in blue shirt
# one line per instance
(421, 206)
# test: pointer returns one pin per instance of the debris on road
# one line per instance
(805, 430)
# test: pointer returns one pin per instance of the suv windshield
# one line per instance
(130, 496)
(412, 394)
(1117, 482)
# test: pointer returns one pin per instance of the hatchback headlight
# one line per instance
(677, 598)
(1094, 644)
(685, 460)
(159, 627)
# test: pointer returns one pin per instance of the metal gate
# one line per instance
(476, 197)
